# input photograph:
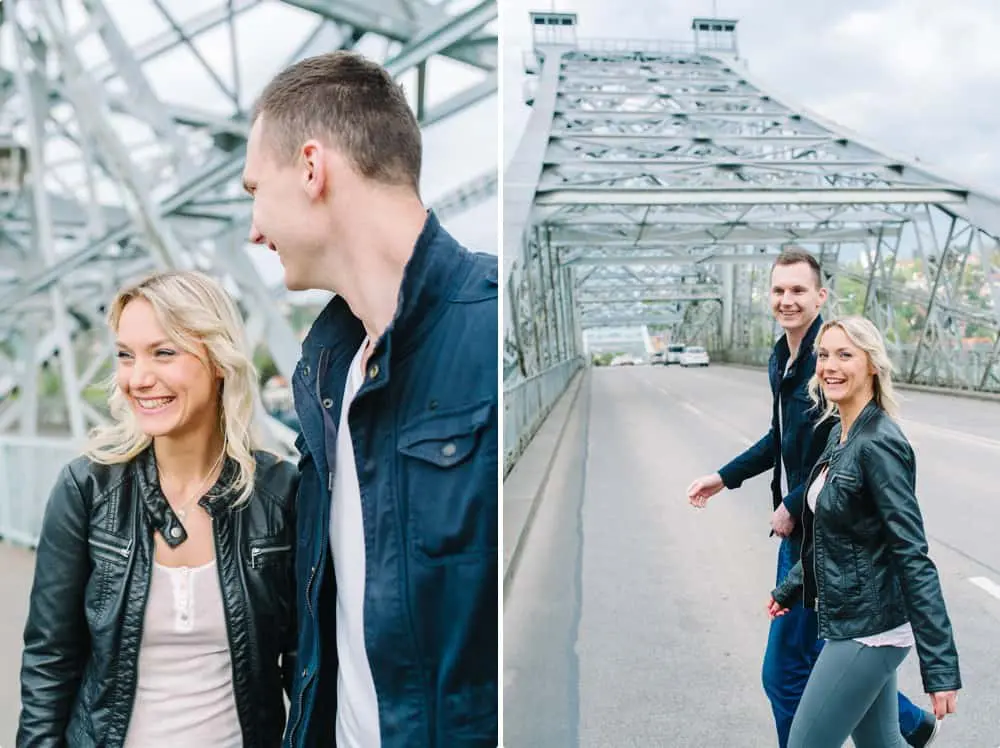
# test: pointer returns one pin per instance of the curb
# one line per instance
(576, 384)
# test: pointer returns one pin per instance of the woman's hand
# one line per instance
(943, 703)
(774, 609)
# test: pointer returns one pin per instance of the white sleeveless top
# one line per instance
(184, 693)
(902, 635)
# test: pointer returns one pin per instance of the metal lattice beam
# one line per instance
(110, 174)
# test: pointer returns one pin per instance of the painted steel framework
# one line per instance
(655, 183)
(103, 175)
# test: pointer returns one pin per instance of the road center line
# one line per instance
(988, 585)
(700, 413)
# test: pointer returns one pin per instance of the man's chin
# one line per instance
(293, 283)
(798, 322)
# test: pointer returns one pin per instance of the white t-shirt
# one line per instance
(781, 429)
(357, 704)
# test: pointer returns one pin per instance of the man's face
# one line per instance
(284, 215)
(796, 297)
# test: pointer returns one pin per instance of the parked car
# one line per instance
(674, 353)
(694, 355)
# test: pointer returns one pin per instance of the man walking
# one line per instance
(396, 393)
(792, 447)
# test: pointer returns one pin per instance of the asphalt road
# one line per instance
(636, 620)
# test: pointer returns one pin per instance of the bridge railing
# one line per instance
(29, 466)
(527, 403)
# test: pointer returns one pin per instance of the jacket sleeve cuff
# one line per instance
(793, 501)
(731, 478)
(936, 680)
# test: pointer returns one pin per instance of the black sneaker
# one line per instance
(924, 735)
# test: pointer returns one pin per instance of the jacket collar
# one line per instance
(426, 284)
(869, 412)
(805, 347)
(161, 516)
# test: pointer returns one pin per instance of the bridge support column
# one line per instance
(728, 301)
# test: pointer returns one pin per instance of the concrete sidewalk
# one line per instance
(525, 484)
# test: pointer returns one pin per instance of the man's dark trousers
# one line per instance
(792, 648)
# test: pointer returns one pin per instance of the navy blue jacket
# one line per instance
(424, 429)
(801, 441)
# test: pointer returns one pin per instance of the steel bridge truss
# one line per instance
(104, 175)
(660, 181)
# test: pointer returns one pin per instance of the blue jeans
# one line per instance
(792, 649)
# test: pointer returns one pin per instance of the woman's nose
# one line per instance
(142, 376)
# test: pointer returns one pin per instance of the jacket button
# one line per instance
(305, 672)
(306, 370)
(175, 532)
(373, 371)
(327, 403)
(449, 449)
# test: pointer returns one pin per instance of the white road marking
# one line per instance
(951, 434)
(690, 407)
(700, 413)
(988, 585)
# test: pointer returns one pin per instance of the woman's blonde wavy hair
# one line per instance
(194, 310)
(863, 334)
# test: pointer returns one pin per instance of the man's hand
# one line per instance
(704, 488)
(943, 703)
(782, 522)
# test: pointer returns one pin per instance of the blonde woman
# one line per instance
(162, 611)
(864, 563)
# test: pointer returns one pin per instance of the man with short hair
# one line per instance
(792, 447)
(396, 393)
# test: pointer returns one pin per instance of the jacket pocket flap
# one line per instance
(447, 438)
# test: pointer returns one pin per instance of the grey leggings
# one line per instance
(851, 693)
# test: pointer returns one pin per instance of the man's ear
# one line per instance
(315, 173)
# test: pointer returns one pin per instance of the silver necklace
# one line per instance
(182, 510)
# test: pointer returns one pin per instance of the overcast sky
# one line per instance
(920, 77)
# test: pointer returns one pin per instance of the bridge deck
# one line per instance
(636, 620)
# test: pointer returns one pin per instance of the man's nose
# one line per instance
(256, 237)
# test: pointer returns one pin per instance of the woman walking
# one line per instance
(162, 611)
(864, 563)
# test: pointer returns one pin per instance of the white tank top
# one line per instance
(184, 693)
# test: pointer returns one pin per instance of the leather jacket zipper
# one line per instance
(256, 553)
(816, 471)
(123, 552)
(226, 605)
(141, 622)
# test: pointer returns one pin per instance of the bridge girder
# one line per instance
(106, 174)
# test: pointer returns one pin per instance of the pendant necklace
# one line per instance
(182, 510)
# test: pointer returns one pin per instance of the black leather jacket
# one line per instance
(864, 553)
(92, 576)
